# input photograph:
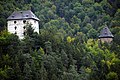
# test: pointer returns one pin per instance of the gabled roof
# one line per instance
(17, 15)
(105, 33)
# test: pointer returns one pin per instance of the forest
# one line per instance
(67, 47)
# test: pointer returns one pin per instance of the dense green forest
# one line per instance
(67, 47)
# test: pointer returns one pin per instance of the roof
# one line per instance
(105, 33)
(17, 15)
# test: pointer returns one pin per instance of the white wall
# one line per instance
(108, 40)
(19, 24)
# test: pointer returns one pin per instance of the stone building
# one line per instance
(17, 21)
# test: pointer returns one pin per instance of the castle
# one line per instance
(17, 21)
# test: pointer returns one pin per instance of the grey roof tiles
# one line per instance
(105, 33)
(17, 15)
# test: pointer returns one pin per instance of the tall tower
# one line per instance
(17, 21)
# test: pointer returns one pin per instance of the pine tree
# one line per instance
(27, 72)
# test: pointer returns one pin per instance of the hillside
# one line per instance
(67, 47)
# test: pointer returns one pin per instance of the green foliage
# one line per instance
(27, 72)
(66, 47)
(3, 73)
(112, 76)
(69, 39)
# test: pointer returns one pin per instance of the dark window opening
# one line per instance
(24, 21)
(15, 22)
(24, 33)
(21, 12)
(27, 15)
(15, 27)
(24, 27)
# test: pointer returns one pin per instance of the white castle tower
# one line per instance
(17, 21)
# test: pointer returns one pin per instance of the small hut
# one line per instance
(106, 35)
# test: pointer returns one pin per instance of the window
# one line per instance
(24, 27)
(15, 27)
(24, 33)
(27, 15)
(21, 12)
(24, 21)
(15, 22)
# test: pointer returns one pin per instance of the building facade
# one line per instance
(17, 21)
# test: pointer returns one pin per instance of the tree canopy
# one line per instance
(67, 47)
